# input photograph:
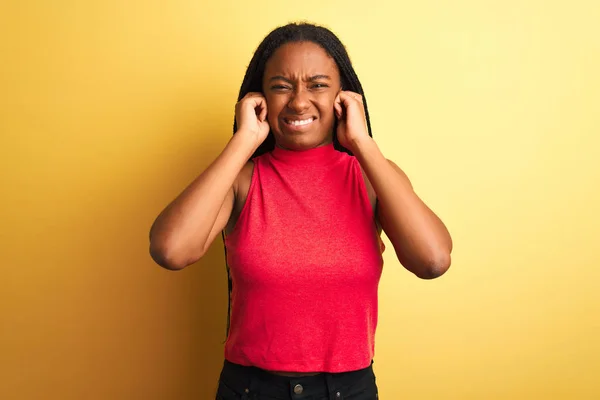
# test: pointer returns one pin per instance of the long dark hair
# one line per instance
(253, 79)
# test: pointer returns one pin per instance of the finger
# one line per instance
(256, 101)
(259, 105)
(346, 99)
(248, 99)
(356, 96)
(349, 97)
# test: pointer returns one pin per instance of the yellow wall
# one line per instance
(109, 108)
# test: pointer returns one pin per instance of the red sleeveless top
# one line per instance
(305, 263)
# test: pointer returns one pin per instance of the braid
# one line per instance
(254, 75)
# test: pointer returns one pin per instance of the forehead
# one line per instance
(301, 59)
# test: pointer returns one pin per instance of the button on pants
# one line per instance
(249, 383)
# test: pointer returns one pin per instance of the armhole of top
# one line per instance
(365, 192)
(372, 208)
(243, 212)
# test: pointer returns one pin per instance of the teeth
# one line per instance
(300, 123)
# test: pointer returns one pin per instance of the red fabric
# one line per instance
(305, 261)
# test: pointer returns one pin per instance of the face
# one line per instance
(300, 83)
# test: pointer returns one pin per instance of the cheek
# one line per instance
(274, 105)
(273, 109)
(326, 108)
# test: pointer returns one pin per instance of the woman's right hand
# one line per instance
(251, 117)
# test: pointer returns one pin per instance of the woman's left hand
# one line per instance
(352, 122)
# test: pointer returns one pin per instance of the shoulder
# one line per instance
(371, 190)
(369, 187)
(393, 165)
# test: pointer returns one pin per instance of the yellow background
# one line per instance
(109, 108)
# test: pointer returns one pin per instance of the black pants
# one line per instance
(249, 383)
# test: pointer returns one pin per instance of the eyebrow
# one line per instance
(311, 79)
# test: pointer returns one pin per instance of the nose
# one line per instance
(299, 101)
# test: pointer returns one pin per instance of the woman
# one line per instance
(300, 192)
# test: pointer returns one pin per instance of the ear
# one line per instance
(338, 108)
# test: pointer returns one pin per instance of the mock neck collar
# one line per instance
(320, 155)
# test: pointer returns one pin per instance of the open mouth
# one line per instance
(299, 123)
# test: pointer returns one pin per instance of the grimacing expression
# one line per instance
(300, 84)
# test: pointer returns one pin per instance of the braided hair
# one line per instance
(253, 80)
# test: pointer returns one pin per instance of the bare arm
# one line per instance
(421, 240)
(185, 229)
